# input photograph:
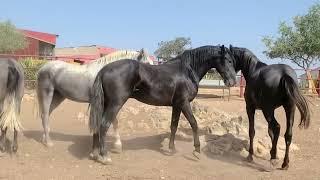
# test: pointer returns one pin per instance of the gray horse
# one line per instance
(58, 80)
(11, 93)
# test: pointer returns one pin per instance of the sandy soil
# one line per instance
(141, 157)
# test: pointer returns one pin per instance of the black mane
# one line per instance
(191, 60)
(245, 59)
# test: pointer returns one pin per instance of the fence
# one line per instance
(211, 75)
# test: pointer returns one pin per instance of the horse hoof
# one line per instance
(14, 149)
(93, 156)
(47, 142)
(285, 166)
(104, 160)
(273, 164)
(172, 151)
(249, 158)
(117, 148)
(196, 154)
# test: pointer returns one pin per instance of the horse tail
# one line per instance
(10, 116)
(295, 95)
(97, 104)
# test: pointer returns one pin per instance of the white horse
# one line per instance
(58, 80)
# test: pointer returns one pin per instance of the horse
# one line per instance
(11, 93)
(267, 88)
(170, 84)
(59, 80)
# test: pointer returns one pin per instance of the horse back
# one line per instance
(267, 88)
(271, 75)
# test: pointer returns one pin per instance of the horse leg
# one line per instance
(108, 118)
(290, 110)
(117, 144)
(95, 146)
(3, 139)
(45, 98)
(15, 141)
(176, 111)
(250, 112)
(57, 99)
(3, 131)
(186, 110)
(274, 131)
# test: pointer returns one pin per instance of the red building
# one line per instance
(82, 54)
(38, 44)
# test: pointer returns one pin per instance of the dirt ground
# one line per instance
(141, 157)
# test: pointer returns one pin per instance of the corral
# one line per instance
(144, 130)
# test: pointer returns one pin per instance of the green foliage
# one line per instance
(10, 38)
(299, 43)
(169, 49)
(31, 66)
(212, 75)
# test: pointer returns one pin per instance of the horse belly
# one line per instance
(152, 98)
(76, 90)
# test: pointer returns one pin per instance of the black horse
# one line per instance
(267, 88)
(171, 84)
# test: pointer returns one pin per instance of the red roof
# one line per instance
(106, 50)
(45, 37)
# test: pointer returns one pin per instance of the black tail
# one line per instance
(13, 79)
(293, 92)
(97, 105)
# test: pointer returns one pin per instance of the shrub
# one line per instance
(31, 67)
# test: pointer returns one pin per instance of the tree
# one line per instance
(10, 38)
(299, 43)
(170, 49)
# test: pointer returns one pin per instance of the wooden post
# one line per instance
(241, 85)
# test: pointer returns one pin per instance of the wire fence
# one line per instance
(304, 85)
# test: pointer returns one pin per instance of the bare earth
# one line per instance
(141, 157)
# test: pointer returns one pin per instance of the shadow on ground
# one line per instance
(81, 146)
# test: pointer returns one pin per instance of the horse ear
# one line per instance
(230, 48)
(222, 49)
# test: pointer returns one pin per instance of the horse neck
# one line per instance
(199, 70)
(249, 65)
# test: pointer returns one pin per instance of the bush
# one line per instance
(31, 67)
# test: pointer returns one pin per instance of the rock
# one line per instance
(244, 153)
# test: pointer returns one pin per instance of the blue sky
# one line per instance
(144, 23)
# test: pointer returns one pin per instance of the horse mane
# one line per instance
(191, 60)
(194, 58)
(249, 59)
(121, 54)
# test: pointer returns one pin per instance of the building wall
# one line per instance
(32, 48)
(46, 49)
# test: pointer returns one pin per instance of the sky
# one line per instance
(143, 23)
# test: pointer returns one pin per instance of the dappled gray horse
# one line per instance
(58, 80)
(11, 93)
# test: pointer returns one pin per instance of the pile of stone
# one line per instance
(221, 132)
